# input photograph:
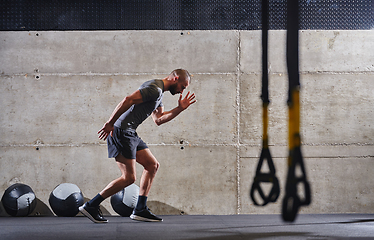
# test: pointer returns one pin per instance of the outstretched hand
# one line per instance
(105, 131)
(186, 101)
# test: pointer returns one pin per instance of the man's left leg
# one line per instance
(151, 165)
(91, 208)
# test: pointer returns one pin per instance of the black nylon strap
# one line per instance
(270, 176)
(265, 76)
(292, 202)
(292, 50)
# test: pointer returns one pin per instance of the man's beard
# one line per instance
(173, 89)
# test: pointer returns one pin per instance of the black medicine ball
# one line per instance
(19, 200)
(65, 200)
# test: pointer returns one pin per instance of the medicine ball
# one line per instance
(19, 200)
(125, 200)
(65, 200)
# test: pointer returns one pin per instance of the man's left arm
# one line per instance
(161, 117)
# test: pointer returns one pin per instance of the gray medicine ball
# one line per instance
(125, 200)
(65, 200)
(19, 200)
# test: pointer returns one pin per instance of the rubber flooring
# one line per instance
(204, 227)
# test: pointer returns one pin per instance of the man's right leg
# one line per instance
(128, 175)
(151, 165)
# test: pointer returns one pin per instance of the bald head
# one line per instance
(182, 74)
(177, 81)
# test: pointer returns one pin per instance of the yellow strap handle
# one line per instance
(294, 120)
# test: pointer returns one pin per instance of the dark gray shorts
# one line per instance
(124, 142)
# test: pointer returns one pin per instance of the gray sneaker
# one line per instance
(93, 213)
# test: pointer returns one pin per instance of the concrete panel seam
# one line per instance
(195, 144)
(341, 157)
(190, 144)
(195, 73)
(311, 144)
(335, 72)
(315, 72)
(116, 73)
(335, 144)
(53, 145)
(319, 157)
(104, 144)
(238, 210)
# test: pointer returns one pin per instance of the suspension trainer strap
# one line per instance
(264, 32)
(270, 176)
(292, 201)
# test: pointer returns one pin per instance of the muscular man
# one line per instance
(128, 148)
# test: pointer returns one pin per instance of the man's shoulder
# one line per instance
(152, 90)
(153, 83)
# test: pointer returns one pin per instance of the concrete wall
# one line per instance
(58, 89)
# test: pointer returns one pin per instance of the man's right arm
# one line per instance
(123, 106)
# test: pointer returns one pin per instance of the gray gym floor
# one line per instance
(233, 227)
